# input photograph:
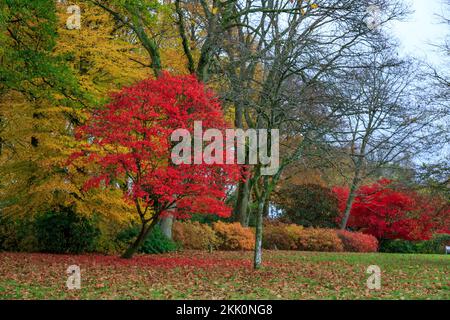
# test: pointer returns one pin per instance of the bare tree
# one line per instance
(281, 72)
(387, 119)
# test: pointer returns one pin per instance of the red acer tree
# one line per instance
(129, 143)
(386, 213)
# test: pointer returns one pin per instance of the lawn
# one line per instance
(225, 275)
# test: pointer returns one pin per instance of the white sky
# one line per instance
(422, 29)
(418, 33)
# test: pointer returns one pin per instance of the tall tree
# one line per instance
(386, 118)
(38, 122)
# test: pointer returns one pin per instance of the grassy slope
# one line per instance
(226, 275)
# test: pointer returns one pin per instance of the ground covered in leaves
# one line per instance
(225, 275)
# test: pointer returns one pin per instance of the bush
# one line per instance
(357, 241)
(155, 243)
(233, 236)
(293, 237)
(281, 236)
(319, 240)
(194, 235)
(399, 246)
(309, 205)
(64, 231)
(110, 229)
(436, 244)
(17, 234)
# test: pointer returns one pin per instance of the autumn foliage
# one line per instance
(233, 236)
(194, 235)
(388, 213)
(130, 138)
(357, 241)
(281, 236)
(313, 239)
(128, 142)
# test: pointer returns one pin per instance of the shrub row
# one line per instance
(278, 236)
(293, 237)
(222, 236)
(63, 231)
(435, 245)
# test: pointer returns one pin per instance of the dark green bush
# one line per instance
(434, 245)
(156, 242)
(64, 231)
(309, 205)
(17, 234)
(398, 246)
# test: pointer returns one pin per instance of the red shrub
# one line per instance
(357, 241)
(388, 213)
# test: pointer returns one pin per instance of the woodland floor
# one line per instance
(225, 275)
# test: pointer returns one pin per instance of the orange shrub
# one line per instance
(294, 232)
(281, 236)
(194, 235)
(233, 236)
(358, 242)
(319, 240)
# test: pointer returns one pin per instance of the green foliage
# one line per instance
(63, 231)
(398, 246)
(155, 243)
(28, 31)
(309, 205)
(17, 235)
(436, 245)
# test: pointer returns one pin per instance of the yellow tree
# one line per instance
(38, 132)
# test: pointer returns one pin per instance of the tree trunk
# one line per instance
(166, 225)
(242, 202)
(258, 235)
(348, 205)
(145, 230)
(137, 243)
(266, 210)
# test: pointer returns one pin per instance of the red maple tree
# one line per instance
(129, 145)
(387, 213)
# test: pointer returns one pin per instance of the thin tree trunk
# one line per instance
(348, 205)
(258, 235)
(266, 210)
(242, 202)
(166, 225)
(134, 247)
(128, 254)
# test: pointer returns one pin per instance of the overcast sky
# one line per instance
(423, 28)
(417, 34)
